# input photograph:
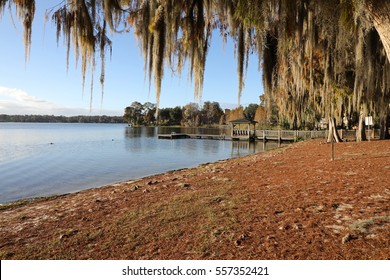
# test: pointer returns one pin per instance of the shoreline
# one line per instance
(26, 200)
(287, 203)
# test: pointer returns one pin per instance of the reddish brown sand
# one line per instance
(292, 203)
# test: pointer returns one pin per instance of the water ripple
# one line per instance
(47, 159)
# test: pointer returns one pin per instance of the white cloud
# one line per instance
(18, 102)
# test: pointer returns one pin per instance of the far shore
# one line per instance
(289, 203)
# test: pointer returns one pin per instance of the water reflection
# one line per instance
(213, 146)
(136, 132)
(242, 148)
(194, 130)
(144, 139)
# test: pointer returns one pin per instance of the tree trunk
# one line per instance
(333, 135)
(379, 13)
(384, 127)
(361, 130)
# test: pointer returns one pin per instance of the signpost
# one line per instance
(368, 121)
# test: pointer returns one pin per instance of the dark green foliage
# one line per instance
(250, 111)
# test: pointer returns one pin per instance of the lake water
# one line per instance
(41, 159)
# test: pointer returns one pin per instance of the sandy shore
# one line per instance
(292, 203)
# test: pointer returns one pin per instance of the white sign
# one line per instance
(368, 120)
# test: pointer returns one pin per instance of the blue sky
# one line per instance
(44, 86)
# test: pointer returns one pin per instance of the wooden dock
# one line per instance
(289, 135)
(271, 135)
(277, 135)
(192, 136)
(173, 136)
(259, 135)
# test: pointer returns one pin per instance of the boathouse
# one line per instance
(243, 129)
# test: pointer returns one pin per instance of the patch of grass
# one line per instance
(279, 162)
(23, 202)
(186, 217)
(363, 226)
(6, 255)
(15, 204)
(199, 212)
(218, 199)
(352, 154)
(93, 236)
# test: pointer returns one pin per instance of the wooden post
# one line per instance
(369, 136)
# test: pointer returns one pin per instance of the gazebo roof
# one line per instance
(243, 121)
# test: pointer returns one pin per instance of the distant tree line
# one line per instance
(61, 119)
(190, 115)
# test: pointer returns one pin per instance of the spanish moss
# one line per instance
(320, 59)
